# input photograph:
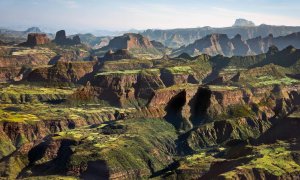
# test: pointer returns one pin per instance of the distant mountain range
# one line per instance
(13, 36)
(176, 38)
(215, 44)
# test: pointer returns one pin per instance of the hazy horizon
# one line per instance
(91, 15)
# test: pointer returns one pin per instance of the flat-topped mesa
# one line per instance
(129, 41)
(136, 44)
(243, 23)
(35, 39)
(61, 39)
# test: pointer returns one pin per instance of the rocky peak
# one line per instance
(34, 39)
(33, 30)
(271, 35)
(61, 39)
(272, 50)
(238, 37)
(243, 23)
(137, 41)
(240, 47)
(60, 36)
(76, 39)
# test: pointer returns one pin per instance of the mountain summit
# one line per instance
(243, 23)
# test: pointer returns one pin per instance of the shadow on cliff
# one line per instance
(199, 105)
(96, 170)
(174, 112)
(58, 165)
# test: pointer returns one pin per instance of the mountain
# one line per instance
(33, 30)
(134, 43)
(215, 44)
(176, 38)
(61, 39)
(243, 23)
(17, 37)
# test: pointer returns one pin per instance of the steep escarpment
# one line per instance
(122, 89)
(221, 44)
(192, 106)
(135, 87)
(75, 72)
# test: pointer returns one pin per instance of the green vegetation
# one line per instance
(124, 145)
(201, 160)
(180, 87)
(127, 72)
(35, 90)
(222, 88)
(26, 51)
(52, 178)
(240, 111)
(270, 80)
(275, 159)
(180, 70)
(31, 113)
(16, 117)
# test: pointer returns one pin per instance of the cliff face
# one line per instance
(35, 39)
(136, 87)
(135, 43)
(129, 41)
(220, 44)
(126, 89)
(190, 105)
(15, 59)
(75, 72)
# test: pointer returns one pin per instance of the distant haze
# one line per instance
(89, 15)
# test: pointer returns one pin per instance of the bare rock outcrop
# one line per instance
(35, 39)
(61, 39)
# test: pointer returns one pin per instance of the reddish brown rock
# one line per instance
(129, 41)
(63, 72)
(35, 39)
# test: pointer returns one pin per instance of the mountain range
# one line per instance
(176, 38)
(215, 44)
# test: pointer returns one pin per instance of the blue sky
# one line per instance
(142, 14)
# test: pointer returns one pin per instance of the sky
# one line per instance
(91, 15)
